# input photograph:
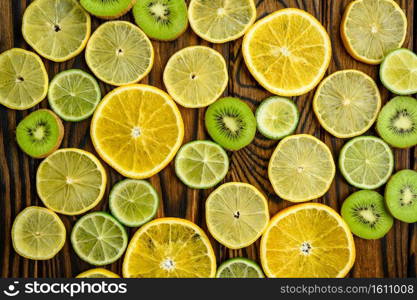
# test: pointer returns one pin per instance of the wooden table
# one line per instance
(392, 256)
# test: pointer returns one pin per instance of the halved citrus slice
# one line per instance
(307, 240)
(239, 267)
(97, 273)
(288, 52)
(137, 129)
(169, 247)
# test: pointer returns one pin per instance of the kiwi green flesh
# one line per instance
(397, 122)
(231, 123)
(401, 196)
(366, 215)
(161, 19)
(40, 133)
(107, 9)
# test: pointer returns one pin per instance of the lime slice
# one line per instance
(99, 239)
(277, 117)
(201, 164)
(97, 273)
(398, 72)
(133, 202)
(366, 162)
(236, 214)
(38, 233)
(74, 95)
(57, 30)
(23, 79)
(71, 181)
(119, 53)
(239, 268)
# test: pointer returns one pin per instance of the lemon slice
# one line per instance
(347, 103)
(119, 53)
(288, 52)
(196, 76)
(57, 30)
(370, 29)
(137, 130)
(169, 247)
(97, 273)
(301, 168)
(236, 214)
(307, 240)
(38, 233)
(221, 21)
(71, 181)
(23, 79)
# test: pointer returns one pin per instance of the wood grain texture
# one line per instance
(392, 256)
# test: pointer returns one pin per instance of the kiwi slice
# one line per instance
(231, 123)
(397, 122)
(366, 216)
(401, 196)
(40, 133)
(163, 20)
(107, 9)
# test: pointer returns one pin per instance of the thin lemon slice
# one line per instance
(347, 103)
(137, 130)
(221, 21)
(288, 52)
(169, 247)
(71, 181)
(196, 76)
(236, 214)
(97, 273)
(372, 28)
(301, 168)
(307, 240)
(119, 53)
(57, 30)
(23, 79)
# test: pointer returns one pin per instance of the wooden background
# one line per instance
(392, 256)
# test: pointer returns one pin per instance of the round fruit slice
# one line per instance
(372, 28)
(196, 76)
(301, 168)
(106, 9)
(201, 164)
(365, 213)
(137, 130)
(163, 20)
(366, 162)
(57, 30)
(23, 79)
(99, 239)
(288, 52)
(397, 122)
(221, 21)
(239, 268)
(40, 133)
(74, 95)
(97, 273)
(401, 196)
(307, 240)
(119, 53)
(71, 181)
(277, 117)
(38, 233)
(169, 247)
(347, 103)
(398, 72)
(236, 214)
(133, 202)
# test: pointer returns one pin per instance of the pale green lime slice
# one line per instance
(239, 268)
(201, 164)
(133, 202)
(99, 239)
(277, 117)
(74, 95)
(366, 162)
